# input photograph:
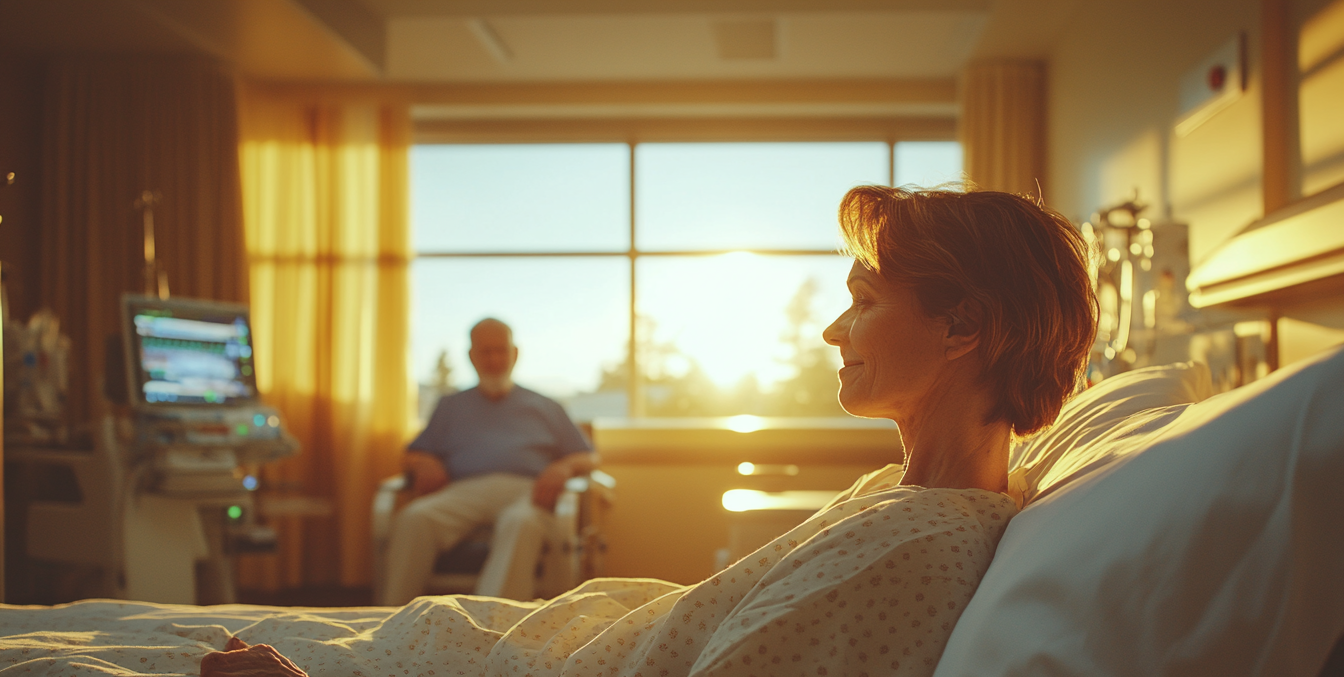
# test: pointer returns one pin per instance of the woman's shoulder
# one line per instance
(988, 510)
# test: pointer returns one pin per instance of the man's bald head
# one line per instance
(493, 355)
(491, 329)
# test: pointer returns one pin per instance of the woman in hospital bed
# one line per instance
(972, 318)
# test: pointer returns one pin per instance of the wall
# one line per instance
(20, 149)
(668, 519)
(1114, 102)
(1113, 107)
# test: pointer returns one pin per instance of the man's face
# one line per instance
(492, 352)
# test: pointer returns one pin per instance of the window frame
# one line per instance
(635, 394)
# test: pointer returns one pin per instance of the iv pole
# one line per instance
(6, 180)
(156, 279)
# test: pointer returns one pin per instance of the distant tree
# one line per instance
(442, 378)
(812, 389)
(654, 358)
(678, 392)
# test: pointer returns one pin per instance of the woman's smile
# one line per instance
(890, 349)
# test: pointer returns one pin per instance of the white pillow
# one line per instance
(1214, 545)
(1062, 453)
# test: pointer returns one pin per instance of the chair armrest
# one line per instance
(593, 494)
(593, 481)
(385, 505)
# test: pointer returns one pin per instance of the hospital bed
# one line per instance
(1166, 532)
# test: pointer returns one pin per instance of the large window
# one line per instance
(714, 263)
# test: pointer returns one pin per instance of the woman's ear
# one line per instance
(963, 329)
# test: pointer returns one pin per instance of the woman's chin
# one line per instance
(858, 406)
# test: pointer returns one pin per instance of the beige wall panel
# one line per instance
(1215, 174)
(1135, 166)
(1220, 219)
(1322, 111)
(668, 520)
(1322, 32)
(1299, 340)
(1114, 101)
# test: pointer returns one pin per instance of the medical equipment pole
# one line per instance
(8, 181)
(156, 281)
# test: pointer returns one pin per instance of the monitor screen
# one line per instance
(189, 352)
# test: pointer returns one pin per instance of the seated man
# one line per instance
(494, 454)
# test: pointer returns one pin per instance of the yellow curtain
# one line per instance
(113, 128)
(325, 211)
(1003, 125)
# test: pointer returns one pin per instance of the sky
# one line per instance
(570, 314)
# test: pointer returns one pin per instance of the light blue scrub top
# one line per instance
(521, 433)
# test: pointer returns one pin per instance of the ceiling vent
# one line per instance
(752, 39)
(490, 40)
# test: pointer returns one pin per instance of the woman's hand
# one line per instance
(240, 660)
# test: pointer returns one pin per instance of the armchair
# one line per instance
(573, 554)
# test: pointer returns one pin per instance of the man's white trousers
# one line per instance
(435, 523)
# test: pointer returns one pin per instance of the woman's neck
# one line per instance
(948, 444)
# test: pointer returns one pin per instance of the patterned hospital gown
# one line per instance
(871, 584)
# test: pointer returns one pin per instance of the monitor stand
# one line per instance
(166, 537)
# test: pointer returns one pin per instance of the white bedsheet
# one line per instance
(873, 582)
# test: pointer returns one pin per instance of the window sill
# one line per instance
(735, 439)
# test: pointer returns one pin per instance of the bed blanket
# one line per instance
(873, 582)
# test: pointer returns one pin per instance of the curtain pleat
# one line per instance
(325, 207)
(112, 129)
(1003, 125)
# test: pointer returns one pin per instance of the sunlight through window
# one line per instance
(725, 254)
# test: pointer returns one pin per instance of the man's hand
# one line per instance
(240, 660)
(546, 490)
(426, 471)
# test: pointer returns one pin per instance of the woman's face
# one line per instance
(892, 351)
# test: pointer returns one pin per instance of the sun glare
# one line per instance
(727, 312)
(715, 334)
(745, 423)
(747, 500)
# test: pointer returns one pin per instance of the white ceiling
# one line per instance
(920, 44)
(549, 40)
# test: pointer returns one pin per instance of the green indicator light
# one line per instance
(235, 511)
(242, 429)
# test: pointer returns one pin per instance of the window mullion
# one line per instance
(634, 393)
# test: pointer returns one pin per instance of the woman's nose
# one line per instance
(835, 334)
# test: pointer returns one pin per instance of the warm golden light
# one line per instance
(726, 313)
(749, 468)
(745, 424)
(742, 500)
(746, 500)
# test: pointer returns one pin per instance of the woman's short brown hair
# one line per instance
(1022, 265)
